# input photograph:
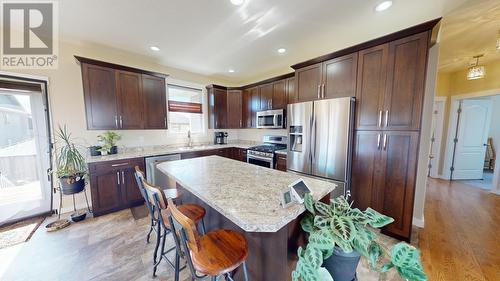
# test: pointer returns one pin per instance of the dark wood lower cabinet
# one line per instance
(235, 153)
(113, 186)
(281, 162)
(383, 176)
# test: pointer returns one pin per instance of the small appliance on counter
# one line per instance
(220, 138)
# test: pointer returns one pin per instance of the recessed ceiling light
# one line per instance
(237, 2)
(231, 71)
(154, 48)
(383, 6)
(281, 50)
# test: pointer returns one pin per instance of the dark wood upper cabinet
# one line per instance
(279, 100)
(155, 105)
(290, 91)
(246, 106)
(405, 82)
(99, 90)
(255, 99)
(121, 97)
(234, 109)
(339, 77)
(129, 89)
(220, 102)
(372, 73)
(308, 82)
(266, 96)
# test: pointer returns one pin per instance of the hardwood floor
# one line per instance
(460, 239)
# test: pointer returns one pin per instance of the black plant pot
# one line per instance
(94, 150)
(342, 266)
(78, 216)
(70, 185)
(113, 150)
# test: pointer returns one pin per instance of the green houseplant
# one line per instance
(70, 163)
(108, 139)
(337, 228)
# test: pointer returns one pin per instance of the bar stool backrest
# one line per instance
(187, 226)
(155, 195)
(139, 178)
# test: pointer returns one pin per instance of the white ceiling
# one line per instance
(468, 31)
(211, 36)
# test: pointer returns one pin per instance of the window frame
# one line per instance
(204, 106)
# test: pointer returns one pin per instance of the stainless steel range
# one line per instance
(264, 155)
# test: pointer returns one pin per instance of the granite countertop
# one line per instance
(246, 194)
(161, 150)
(282, 151)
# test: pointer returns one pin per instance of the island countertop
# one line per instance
(246, 194)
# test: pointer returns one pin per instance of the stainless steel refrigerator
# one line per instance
(320, 136)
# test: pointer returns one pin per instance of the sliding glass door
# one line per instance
(24, 155)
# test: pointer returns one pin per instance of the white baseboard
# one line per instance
(418, 222)
(496, 191)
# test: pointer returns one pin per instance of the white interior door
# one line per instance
(24, 156)
(473, 128)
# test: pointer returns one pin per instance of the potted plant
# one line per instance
(71, 165)
(338, 235)
(109, 140)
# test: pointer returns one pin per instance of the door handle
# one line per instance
(378, 141)
(319, 91)
(165, 120)
(240, 124)
(121, 122)
(123, 177)
(118, 177)
(386, 118)
(385, 141)
(120, 164)
(323, 90)
(379, 118)
(116, 121)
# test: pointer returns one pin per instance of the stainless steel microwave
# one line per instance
(271, 119)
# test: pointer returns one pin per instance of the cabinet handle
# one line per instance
(387, 118)
(118, 177)
(379, 118)
(123, 177)
(240, 124)
(165, 120)
(319, 91)
(116, 121)
(119, 164)
(385, 141)
(323, 90)
(378, 141)
(121, 122)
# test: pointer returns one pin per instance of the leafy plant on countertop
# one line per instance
(70, 162)
(109, 140)
(337, 224)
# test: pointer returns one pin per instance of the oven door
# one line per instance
(271, 119)
(260, 161)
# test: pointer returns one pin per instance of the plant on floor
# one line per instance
(109, 140)
(70, 163)
(339, 227)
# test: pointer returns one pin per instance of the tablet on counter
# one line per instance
(299, 189)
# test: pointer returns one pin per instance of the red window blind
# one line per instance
(188, 107)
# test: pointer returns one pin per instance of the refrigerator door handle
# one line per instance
(319, 91)
(385, 141)
(379, 118)
(378, 141)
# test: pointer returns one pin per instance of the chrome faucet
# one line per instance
(190, 141)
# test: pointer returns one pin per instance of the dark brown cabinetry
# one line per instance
(290, 91)
(235, 153)
(154, 95)
(234, 109)
(246, 107)
(217, 108)
(113, 185)
(119, 97)
(266, 97)
(280, 162)
(280, 99)
(331, 79)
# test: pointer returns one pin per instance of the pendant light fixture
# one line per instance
(476, 71)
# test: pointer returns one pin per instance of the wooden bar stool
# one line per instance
(215, 253)
(158, 198)
(139, 177)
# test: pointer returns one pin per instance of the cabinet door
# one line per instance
(405, 83)
(266, 96)
(339, 77)
(308, 82)
(234, 109)
(105, 188)
(131, 193)
(246, 104)
(372, 72)
(279, 100)
(400, 152)
(99, 90)
(255, 98)
(281, 162)
(130, 100)
(155, 105)
(366, 169)
(220, 108)
(290, 91)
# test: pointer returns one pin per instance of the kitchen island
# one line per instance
(246, 198)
